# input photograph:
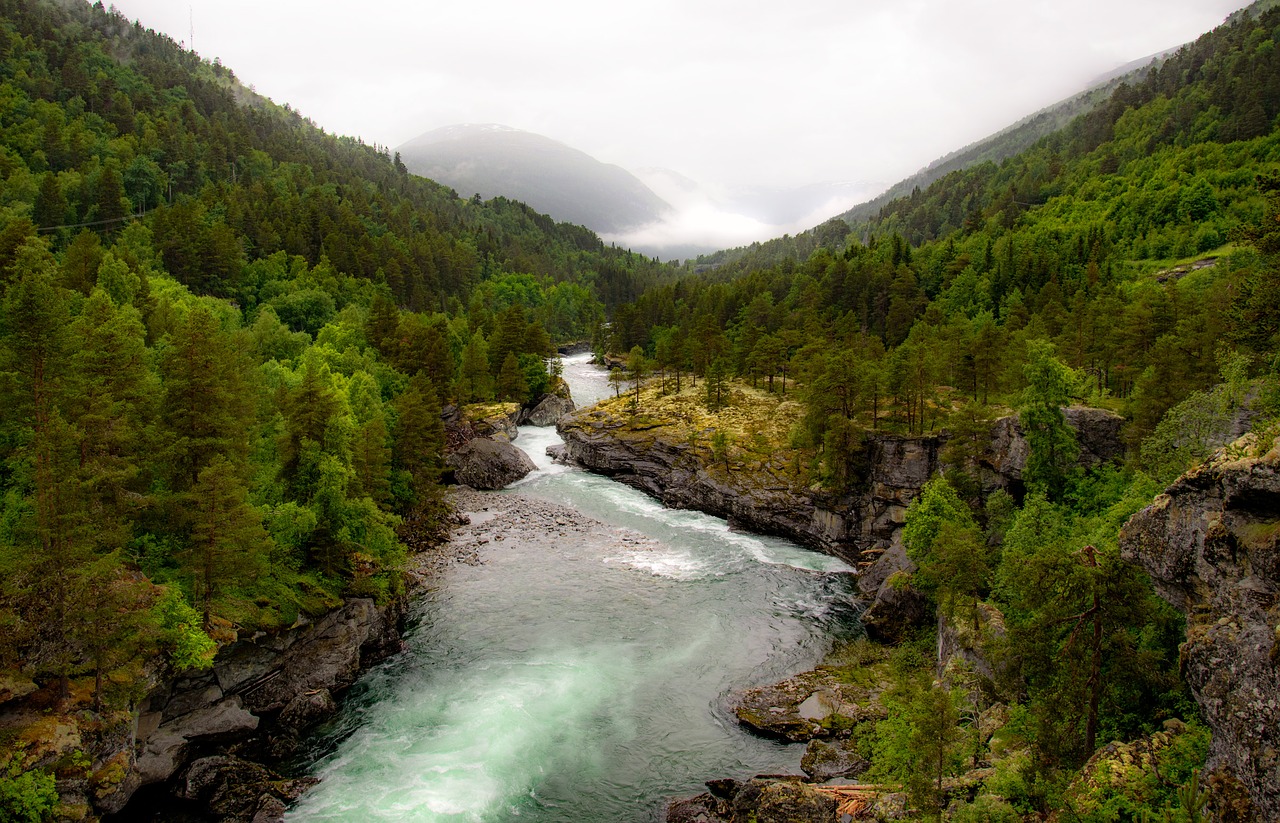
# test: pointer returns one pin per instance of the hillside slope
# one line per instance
(561, 181)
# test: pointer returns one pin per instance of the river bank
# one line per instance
(581, 660)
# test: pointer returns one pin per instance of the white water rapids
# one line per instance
(579, 671)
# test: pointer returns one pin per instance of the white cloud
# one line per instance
(749, 92)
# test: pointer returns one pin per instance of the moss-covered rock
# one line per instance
(822, 703)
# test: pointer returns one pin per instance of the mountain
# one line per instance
(1026, 132)
(1129, 261)
(568, 184)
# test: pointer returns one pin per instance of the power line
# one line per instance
(97, 222)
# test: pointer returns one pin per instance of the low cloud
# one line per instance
(703, 221)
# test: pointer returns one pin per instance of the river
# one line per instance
(578, 670)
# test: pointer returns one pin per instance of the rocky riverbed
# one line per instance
(487, 517)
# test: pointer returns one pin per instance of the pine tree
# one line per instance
(308, 410)
(228, 545)
(418, 446)
(512, 385)
(51, 206)
(1052, 443)
(207, 408)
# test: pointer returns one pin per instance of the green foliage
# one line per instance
(26, 796)
(237, 373)
(1168, 790)
(1052, 443)
(189, 647)
(986, 809)
(920, 743)
(943, 541)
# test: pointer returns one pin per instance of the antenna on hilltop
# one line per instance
(191, 17)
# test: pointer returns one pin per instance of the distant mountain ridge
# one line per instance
(1026, 132)
(570, 185)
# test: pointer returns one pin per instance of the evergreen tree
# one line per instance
(1052, 443)
(228, 545)
(512, 384)
(418, 437)
(206, 408)
(717, 386)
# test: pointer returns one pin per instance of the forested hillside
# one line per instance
(226, 340)
(1128, 261)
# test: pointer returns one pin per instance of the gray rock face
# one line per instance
(1097, 433)
(1211, 544)
(863, 528)
(238, 789)
(292, 673)
(489, 464)
(548, 411)
(825, 760)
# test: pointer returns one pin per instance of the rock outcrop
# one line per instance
(676, 472)
(548, 411)
(1211, 544)
(802, 708)
(763, 799)
(489, 464)
(862, 527)
(259, 694)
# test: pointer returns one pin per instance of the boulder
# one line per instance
(793, 710)
(782, 800)
(763, 799)
(548, 411)
(241, 790)
(704, 808)
(1211, 544)
(1121, 770)
(489, 464)
(825, 760)
(495, 420)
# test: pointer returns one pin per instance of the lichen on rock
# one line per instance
(1211, 544)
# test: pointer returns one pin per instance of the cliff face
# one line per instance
(256, 700)
(1211, 544)
(655, 461)
(863, 527)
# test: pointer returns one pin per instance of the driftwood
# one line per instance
(857, 798)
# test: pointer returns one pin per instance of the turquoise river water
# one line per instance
(581, 678)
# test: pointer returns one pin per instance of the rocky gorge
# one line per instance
(1211, 544)
(862, 527)
(210, 742)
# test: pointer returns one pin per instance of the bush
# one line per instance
(26, 797)
(986, 809)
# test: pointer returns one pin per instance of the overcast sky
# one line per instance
(727, 92)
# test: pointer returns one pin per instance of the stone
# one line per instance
(294, 673)
(704, 808)
(777, 711)
(548, 411)
(307, 709)
(162, 754)
(1211, 544)
(489, 464)
(329, 654)
(239, 789)
(228, 717)
(827, 760)
(1097, 434)
(763, 800)
(183, 702)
